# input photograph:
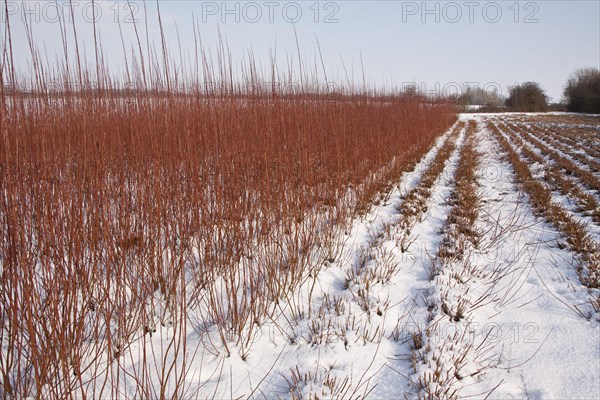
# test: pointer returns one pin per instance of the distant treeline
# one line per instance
(581, 94)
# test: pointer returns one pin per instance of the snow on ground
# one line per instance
(562, 153)
(567, 202)
(348, 332)
(547, 350)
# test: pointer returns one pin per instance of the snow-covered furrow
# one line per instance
(581, 172)
(538, 341)
(448, 354)
(521, 301)
(585, 152)
(562, 145)
(407, 289)
(570, 203)
(551, 131)
(583, 141)
(579, 152)
(585, 137)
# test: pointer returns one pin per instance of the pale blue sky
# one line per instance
(438, 45)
